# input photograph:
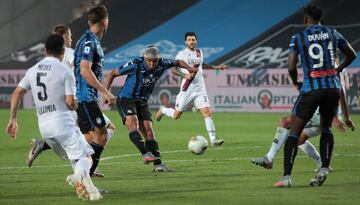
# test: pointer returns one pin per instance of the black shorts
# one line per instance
(326, 99)
(138, 107)
(90, 116)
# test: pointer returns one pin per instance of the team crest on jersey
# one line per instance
(98, 120)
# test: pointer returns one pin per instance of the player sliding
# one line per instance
(192, 87)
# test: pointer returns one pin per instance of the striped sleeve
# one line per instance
(127, 68)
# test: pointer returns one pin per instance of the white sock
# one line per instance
(210, 127)
(110, 131)
(168, 112)
(279, 140)
(309, 149)
(82, 168)
(73, 164)
(109, 135)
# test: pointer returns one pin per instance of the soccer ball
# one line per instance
(197, 145)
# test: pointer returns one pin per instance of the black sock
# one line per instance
(290, 151)
(153, 147)
(326, 147)
(96, 156)
(45, 146)
(136, 138)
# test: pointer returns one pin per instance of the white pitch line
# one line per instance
(179, 160)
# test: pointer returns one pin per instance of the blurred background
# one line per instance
(251, 37)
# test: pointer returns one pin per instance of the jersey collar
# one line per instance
(50, 58)
(92, 34)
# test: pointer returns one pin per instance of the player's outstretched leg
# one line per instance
(37, 146)
(169, 112)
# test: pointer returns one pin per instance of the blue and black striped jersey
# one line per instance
(317, 46)
(88, 48)
(141, 80)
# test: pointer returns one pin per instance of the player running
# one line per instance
(53, 89)
(39, 145)
(142, 75)
(192, 87)
(317, 46)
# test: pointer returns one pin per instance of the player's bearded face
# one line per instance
(105, 26)
(67, 39)
(191, 42)
(152, 62)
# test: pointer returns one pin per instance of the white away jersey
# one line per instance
(49, 81)
(68, 59)
(193, 58)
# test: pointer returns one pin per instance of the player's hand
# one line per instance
(221, 67)
(193, 70)
(339, 125)
(349, 123)
(189, 76)
(12, 128)
(109, 98)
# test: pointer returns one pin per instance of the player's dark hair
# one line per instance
(97, 14)
(55, 44)
(190, 34)
(314, 12)
(61, 29)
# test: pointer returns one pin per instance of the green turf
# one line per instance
(220, 176)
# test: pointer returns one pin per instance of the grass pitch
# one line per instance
(222, 175)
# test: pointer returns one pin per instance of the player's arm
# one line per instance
(12, 125)
(218, 67)
(110, 78)
(347, 50)
(177, 71)
(71, 102)
(184, 65)
(293, 58)
(86, 72)
(70, 91)
(344, 108)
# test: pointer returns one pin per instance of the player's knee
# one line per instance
(132, 125)
(177, 115)
(205, 112)
(284, 122)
